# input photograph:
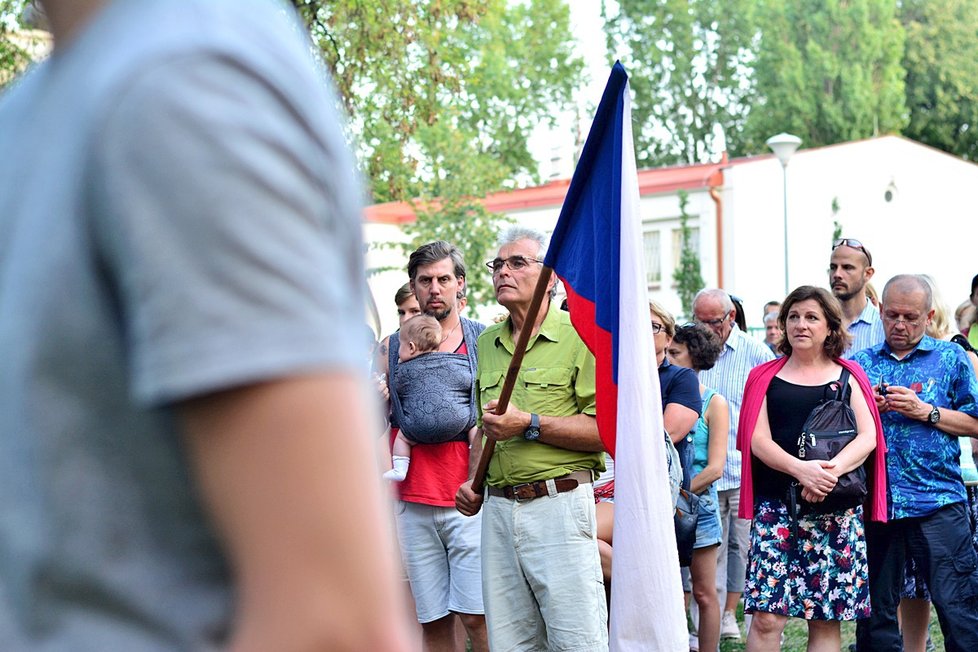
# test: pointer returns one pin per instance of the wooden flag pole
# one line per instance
(479, 479)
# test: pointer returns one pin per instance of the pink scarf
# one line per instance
(754, 392)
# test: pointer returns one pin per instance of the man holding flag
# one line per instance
(596, 251)
(541, 574)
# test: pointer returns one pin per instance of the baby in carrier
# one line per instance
(426, 396)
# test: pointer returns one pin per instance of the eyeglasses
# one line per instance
(855, 244)
(902, 320)
(712, 323)
(515, 263)
(657, 328)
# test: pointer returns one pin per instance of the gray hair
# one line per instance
(516, 233)
(771, 318)
(716, 294)
(909, 283)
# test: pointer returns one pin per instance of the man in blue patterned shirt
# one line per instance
(927, 396)
(850, 268)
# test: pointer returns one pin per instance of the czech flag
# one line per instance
(597, 251)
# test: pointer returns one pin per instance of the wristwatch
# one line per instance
(934, 416)
(533, 432)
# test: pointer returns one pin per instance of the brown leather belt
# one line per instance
(538, 489)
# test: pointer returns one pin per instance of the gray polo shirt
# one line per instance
(178, 215)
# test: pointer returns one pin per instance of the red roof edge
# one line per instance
(650, 182)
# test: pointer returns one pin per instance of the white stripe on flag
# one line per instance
(647, 610)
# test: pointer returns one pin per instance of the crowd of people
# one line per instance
(185, 413)
(774, 530)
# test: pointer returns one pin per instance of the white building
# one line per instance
(908, 203)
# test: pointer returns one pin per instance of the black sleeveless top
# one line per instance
(788, 406)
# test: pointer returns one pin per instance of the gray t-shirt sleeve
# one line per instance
(226, 213)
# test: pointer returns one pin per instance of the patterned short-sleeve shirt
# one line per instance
(922, 461)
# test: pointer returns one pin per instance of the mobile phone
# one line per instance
(882, 386)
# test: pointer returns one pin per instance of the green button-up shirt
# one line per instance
(556, 379)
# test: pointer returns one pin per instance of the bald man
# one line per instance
(927, 396)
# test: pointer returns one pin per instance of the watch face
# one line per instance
(533, 432)
(934, 416)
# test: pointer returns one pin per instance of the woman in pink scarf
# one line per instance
(812, 566)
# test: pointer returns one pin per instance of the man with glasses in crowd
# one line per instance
(741, 353)
(540, 566)
(927, 396)
(850, 269)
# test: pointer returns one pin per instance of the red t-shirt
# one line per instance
(437, 470)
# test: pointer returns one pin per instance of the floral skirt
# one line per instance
(820, 574)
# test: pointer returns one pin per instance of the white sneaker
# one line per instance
(729, 627)
(694, 642)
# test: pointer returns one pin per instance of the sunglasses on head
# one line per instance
(855, 244)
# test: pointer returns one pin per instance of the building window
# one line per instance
(677, 244)
(653, 257)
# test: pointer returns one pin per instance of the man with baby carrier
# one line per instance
(440, 547)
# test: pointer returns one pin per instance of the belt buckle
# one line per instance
(518, 497)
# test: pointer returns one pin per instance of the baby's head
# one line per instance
(419, 334)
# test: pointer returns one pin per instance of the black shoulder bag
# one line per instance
(830, 427)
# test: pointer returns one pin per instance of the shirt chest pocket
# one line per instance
(548, 391)
(490, 386)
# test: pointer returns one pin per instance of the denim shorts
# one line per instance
(441, 550)
(709, 532)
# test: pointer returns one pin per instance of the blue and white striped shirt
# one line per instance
(866, 330)
(740, 354)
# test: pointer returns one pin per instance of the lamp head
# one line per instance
(783, 145)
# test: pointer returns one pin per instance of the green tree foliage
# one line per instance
(14, 53)
(836, 224)
(689, 66)
(449, 211)
(442, 96)
(825, 71)
(828, 72)
(688, 276)
(942, 73)
(408, 70)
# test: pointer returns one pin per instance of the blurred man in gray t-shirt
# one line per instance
(182, 411)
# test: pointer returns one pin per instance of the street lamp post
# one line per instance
(784, 145)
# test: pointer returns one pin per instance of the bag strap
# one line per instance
(844, 388)
(470, 335)
(793, 508)
(393, 348)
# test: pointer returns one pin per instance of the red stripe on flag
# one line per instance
(601, 345)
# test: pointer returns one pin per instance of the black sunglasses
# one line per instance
(855, 244)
